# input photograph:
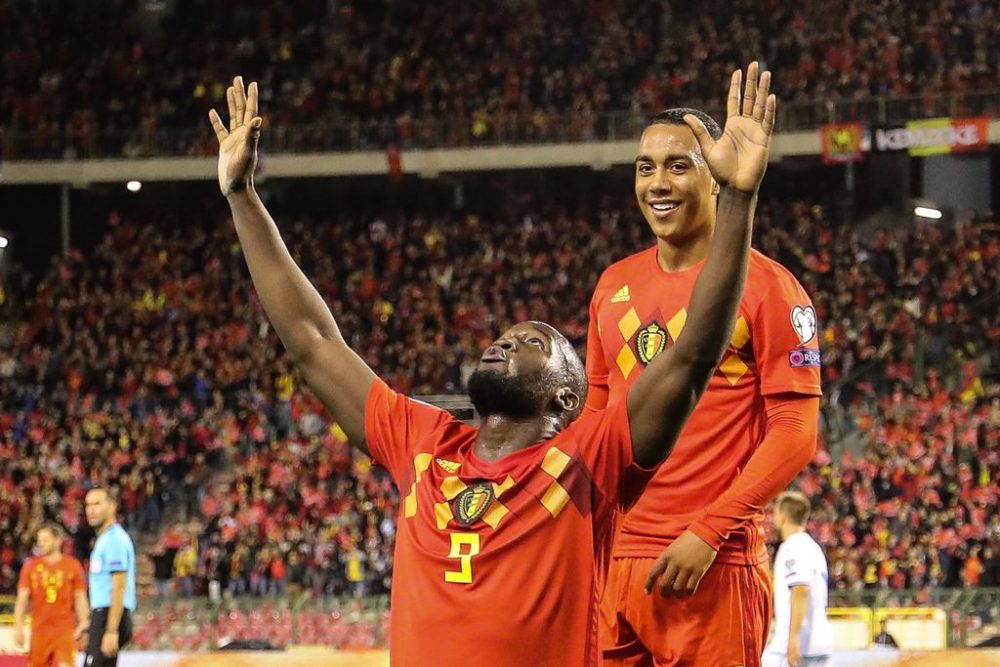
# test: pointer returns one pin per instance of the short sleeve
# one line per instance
(785, 334)
(796, 567)
(603, 440)
(115, 555)
(80, 579)
(24, 579)
(394, 424)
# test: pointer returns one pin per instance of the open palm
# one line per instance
(738, 158)
(238, 144)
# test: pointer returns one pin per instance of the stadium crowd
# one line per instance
(451, 72)
(147, 364)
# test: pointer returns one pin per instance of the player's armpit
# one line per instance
(788, 445)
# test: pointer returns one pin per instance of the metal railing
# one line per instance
(466, 130)
(970, 611)
(341, 622)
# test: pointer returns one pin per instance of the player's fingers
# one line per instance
(667, 580)
(694, 582)
(763, 89)
(770, 111)
(733, 101)
(750, 89)
(701, 133)
(254, 134)
(654, 573)
(680, 583)
(220, 130)
(252, 97)
(240, 96)
(231, 102)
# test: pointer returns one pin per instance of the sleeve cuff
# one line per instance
(708, 534)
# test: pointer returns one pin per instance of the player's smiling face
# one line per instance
(674, 187)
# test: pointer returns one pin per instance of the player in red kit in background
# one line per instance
(695, 537)
(54, 585)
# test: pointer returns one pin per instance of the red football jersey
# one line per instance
(52, 586)
(637, 311)
(496, 562)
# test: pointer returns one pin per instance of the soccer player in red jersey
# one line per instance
(502, 527)
(54, 584)
(694, 539)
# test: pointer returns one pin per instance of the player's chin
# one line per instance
(662, 229)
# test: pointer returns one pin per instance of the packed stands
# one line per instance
(147, 363)
(352, 74)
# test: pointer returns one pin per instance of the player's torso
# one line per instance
(52, 587)
(641, 312)
(495, 561)
(801, 558)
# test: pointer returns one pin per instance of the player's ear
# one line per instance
(715, 187)
(567, 400)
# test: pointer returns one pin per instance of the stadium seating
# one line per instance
(362, 74)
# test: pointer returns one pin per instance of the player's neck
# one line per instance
(53, 558)
(107, 524)
(788, 531)
(680, 254)
(500, 435)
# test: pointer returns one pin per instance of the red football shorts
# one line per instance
(48, 648)
(724, 624)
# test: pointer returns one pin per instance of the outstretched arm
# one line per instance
(338, 376)
(664, 396)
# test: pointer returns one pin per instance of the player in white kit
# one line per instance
(802, 634)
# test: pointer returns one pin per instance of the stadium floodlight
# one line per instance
(133, 186)
(927, 212)
(3, 241)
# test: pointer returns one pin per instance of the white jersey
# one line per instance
(801, 562)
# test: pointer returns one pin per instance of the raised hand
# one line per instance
(238, 144)
(738, 158)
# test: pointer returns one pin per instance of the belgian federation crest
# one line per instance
(473, 502)
(649, 342)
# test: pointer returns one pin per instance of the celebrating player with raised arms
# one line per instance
(501, 528)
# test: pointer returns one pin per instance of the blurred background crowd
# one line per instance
(147, 363)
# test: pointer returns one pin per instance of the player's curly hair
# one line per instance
(676, 117)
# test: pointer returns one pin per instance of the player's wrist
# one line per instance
(111, 632)
(736, 194)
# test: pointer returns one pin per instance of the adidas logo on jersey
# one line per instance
(621, 296)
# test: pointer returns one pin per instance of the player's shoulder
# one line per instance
(763, 271)
(770, 283)
(616, 275)
(803, 545)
